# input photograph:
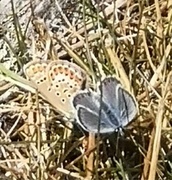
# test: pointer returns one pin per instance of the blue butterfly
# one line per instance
(117, 105)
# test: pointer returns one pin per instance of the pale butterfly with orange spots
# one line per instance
(57, 81)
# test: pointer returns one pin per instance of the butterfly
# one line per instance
(57, 81)
(112, 106)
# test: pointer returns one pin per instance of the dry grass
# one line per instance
(135, 44)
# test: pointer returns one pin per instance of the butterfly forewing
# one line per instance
(127, 107)
(108, 87)
(119, 100)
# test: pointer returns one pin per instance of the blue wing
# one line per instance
(120, 101)
(88, 106)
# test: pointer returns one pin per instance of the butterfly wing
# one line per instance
(35, 71)
(87, 106)
(127, 106)
(57, 81)
(65, 79)
(120, 101)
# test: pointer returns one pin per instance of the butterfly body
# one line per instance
(110, 108)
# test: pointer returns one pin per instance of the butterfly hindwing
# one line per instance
(89, 121)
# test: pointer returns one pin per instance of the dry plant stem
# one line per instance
(157, 73)
(76, 144)
(91, 38)
(64, 171)
(157, 139)
(117, 63)
(90, 160)
(85, 154)
(77, 59)
(146, 47)
(38, 136)
(72, 29)
(4, 86)
(45, 39)
(44, 136)
(99, 66)
(159, 45)
(18, 30)
(68, 129)
(149, 83)
(14, 125)
(147, 159)
(169, 6)
(88, 54)
(66, 136)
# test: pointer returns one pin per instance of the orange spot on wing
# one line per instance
(56, 70)
(78, 80)
(60, 69)
(72, 75)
